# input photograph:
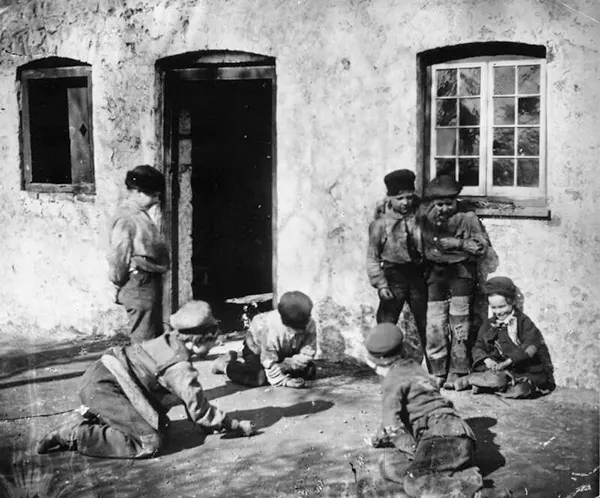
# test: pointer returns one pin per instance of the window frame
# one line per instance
(486, 189)
(27, 75)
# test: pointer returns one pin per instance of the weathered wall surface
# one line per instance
(346, 115)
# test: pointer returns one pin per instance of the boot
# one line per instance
(64, 437)
(462, 383)
(219, 366)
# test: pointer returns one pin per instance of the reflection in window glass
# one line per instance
(504, 110)
(469, 81)
(468, 141)
(529, 110)
(504, 80)
(528, 173)
(504, 141)
(446, 82)
(529, 141)
(446, 112)
(446, 142)
(445, 167)
(468, 112)
(503, 172)
(529, 79)
(468, 172)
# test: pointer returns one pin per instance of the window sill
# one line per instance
(488, 207)
(56, 193)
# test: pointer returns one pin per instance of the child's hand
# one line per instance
(505, 364)
(491, 364)
(386, 294)
(449, 243)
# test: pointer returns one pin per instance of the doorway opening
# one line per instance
(220, 152)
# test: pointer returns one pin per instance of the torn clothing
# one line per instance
(464, 226)
(274, 342)
(394, 239)
(444, 444)
(529, 354)
(135, 242)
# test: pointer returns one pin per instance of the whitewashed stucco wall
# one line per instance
(346, 115)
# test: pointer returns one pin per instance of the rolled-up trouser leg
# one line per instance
(119, 430)
(459, 328)
(250, 372)
(437, 337)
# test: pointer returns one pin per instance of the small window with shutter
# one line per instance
(56, 129)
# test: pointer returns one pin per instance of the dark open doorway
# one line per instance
(219, 138)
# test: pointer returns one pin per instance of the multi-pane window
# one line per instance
(487, 126)
(57, 129)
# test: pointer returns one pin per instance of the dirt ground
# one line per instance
(310, 442)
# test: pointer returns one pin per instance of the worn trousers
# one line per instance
(450, 288)
(407, 283)
(142, 298)
(115, 429)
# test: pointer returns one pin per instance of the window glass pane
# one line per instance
(528, 173)
(446, 142)
(529, 110)
(445, 167)
(468, 141)
(529, 141)
(504, 80)
(504, 110)
(504, 141)
(468, 172)
(469, 81)
(529, 79)
(446, 112)
(446, 82)
(503, 172)
(469, 112)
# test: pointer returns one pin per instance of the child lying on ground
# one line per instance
(279, 348)
(433, 447)
(510, 355)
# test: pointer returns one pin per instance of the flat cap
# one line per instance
(193, 317)
(442, 186)
(502, 286)
(401, 180)
(383, 342)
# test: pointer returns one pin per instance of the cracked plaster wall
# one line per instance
(346, 115)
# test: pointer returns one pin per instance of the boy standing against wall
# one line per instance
(393, 255)
(453, 241)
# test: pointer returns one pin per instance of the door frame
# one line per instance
(169, 77)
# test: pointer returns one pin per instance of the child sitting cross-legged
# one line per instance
(510, 355)
(431, 448)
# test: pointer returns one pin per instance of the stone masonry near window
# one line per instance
(346, 112)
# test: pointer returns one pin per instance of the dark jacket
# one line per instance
(493, 341)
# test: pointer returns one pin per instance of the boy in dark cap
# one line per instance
(431, 448)
(510, 355)
(453, 241)
(279, 348)
(128, 392)
(393, 255)
(138, 255)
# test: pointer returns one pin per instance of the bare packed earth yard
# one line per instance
(310, 442)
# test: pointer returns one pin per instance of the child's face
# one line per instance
(402, 203)
(445, 207)
(500, 306)
(379, 369)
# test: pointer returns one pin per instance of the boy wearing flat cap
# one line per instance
(394, 254)
(279, 348)
(429, 448)
(510, 355)
(453, 242)
(129, 390)
(138, 255)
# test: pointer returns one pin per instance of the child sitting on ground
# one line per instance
(279, 348)
(510, 355)
(433, 447)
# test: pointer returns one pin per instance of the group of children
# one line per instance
(423, 253)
